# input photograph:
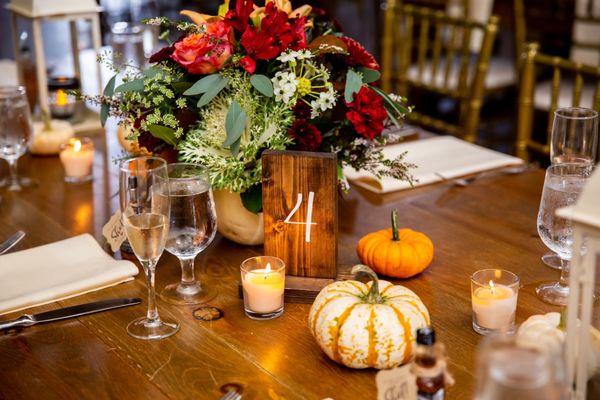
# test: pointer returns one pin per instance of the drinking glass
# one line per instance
(506, 369)
(16, 132)
(193, 226)
(145, 207)
(574, 140)
(562, 186)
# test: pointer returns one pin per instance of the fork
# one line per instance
(11, 241)
(513, 170)
(231, 395)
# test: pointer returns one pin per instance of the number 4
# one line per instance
(308, 223)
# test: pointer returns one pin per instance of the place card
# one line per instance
(113, 231)
(396, 384)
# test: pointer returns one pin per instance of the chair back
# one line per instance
(578, 74)
(585, 47)
(427, 49)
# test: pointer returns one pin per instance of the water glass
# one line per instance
(574, 136)
(145, 209)
(562, 186)
(16, 132)
(508, 370)
(193, 226)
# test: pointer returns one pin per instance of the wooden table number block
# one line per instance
(300, 211)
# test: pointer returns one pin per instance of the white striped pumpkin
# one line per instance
(367, 325)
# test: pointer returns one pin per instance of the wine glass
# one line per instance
(16, 132)
(562, 186)
(574, 140)
(508, 369)
(193, 226)
(145, 207)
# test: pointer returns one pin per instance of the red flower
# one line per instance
(358, 55)
(367, 113)
(238, 19)
(277, 33)
(205, 53)
(306, 135)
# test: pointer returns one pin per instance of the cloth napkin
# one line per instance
(58, 271)
(436, 158)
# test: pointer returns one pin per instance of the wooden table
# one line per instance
(490, 224)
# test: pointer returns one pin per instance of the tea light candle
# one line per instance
(494, 300)
(263, 283)
(77, 157)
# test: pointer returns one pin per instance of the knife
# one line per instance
(68, 312)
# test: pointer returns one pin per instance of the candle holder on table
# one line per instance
(263, 284)
(77, 157)
(62, 104)
(494, 300)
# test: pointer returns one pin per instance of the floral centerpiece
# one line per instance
(254, 78)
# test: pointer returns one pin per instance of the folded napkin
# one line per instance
(436, 158)
(58, 271)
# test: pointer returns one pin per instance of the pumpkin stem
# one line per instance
(373, 297)
(395, 236)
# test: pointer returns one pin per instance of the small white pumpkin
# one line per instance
(367, 325)
(48, 138)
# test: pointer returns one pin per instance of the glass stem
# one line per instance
(564, 273)
(150, 269)
(12, 167)
(187, 271)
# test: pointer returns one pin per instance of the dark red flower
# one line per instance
(301, 110)
(367, 113)
(248, 64)
(162, 54)
(358, 55)
(306, 135)
(238, 18)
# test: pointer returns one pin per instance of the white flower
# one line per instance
(303, 54)
(287, 56)
(284, 86)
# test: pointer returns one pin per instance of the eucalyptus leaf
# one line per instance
(203, 85)
(262, 84)
(353, 85)
(137, 85)
(235, 123)
(109, 90)
(252, 199)
(181, 87)
(235, 148)
(164, 133)
(151, 72)
(370, 75)
(212, 92)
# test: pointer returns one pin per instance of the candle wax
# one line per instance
(263, 290)
(77, 161)
(494, 307)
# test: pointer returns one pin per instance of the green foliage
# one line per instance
(109, 90)
(252, 199)
(162, 132)
(353, 85)
(235, 123)
(213, 91)
(370, 75)
(203, 85)
(262, 84)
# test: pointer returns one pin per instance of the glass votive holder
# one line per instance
(494, 300)
(263, 284)
(77, 157)
(62, 104)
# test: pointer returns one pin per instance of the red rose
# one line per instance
(358, 55)
(248, 64)
(306, 135)
(205, 53)
(367, 113)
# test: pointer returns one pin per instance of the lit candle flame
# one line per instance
(77, 145)
(61, 97)
(492, 286)
(267, 270)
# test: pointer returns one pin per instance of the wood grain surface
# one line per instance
(490, 224)
(303, 186)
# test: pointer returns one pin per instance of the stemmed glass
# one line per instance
(562, 186)
(16, 132)
(575, 141)
(145, 207)
(193, 225)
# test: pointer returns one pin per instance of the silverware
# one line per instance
(511, 170)
(231, 395)
(11, 242)
(68, 312)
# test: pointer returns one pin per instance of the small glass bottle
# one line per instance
(429, 366)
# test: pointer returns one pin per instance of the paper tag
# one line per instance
(113, 231)
(396, 384)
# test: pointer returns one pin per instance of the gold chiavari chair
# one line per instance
(578, 73)
(444, 65)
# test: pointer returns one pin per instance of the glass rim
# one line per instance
(515, 278)
(562, 112)
(204, 171)
(571, 166)
(279, 268)
(162, 161)
(10, 91)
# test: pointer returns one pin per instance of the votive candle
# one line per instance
(263, 284)
(77, 157)
(494, 295)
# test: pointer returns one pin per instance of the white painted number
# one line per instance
(308, 223)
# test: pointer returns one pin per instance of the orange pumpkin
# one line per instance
(399, 253)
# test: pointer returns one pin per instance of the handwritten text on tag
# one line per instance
(396, 384)
(113, 231)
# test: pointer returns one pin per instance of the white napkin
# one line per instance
(447, 156)
(58, 271)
